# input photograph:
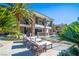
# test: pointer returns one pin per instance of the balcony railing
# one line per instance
(39, 26)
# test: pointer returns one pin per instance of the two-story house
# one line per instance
(40, 24)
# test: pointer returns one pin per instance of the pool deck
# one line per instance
(57, 47)
(5, 49)
(10, 48)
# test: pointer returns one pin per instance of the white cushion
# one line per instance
(38, 39)
(35, 39)
(32, 38)
(48, 42)
(41, 43)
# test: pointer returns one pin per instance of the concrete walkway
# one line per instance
(57, 47)
(18, 49)
(11, 48)
(5, 50)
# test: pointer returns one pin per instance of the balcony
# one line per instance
(39, 26)
(48, 27)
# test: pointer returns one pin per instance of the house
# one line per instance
(40, 25)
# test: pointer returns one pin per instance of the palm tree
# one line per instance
(7, 20)
(20, 11)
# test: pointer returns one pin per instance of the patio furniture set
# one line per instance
(37, 45)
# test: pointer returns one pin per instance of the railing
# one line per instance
(39, 26)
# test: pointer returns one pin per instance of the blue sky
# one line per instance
(61, 13)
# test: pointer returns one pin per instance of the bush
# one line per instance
(70, 33)
(72, 51)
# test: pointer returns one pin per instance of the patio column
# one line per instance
(33, 25)
(45, 29)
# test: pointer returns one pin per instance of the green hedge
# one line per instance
(72, 51)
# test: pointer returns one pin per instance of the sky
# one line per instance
(62, 13)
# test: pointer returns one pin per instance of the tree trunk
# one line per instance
(45, 27)
(18, 25)
(33, 25)
(18, 28)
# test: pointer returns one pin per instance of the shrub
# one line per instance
(72, 51)
(70, 33)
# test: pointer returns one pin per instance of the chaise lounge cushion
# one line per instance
(38, 40)
(41, 43)
(48, 42)
(35, 39)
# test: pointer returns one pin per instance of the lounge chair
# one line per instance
(42, 42)
(33, 46)
(36, 49)
(37, 45)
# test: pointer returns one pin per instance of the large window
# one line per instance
(37, 30)
(49, 23)
(39, 21)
